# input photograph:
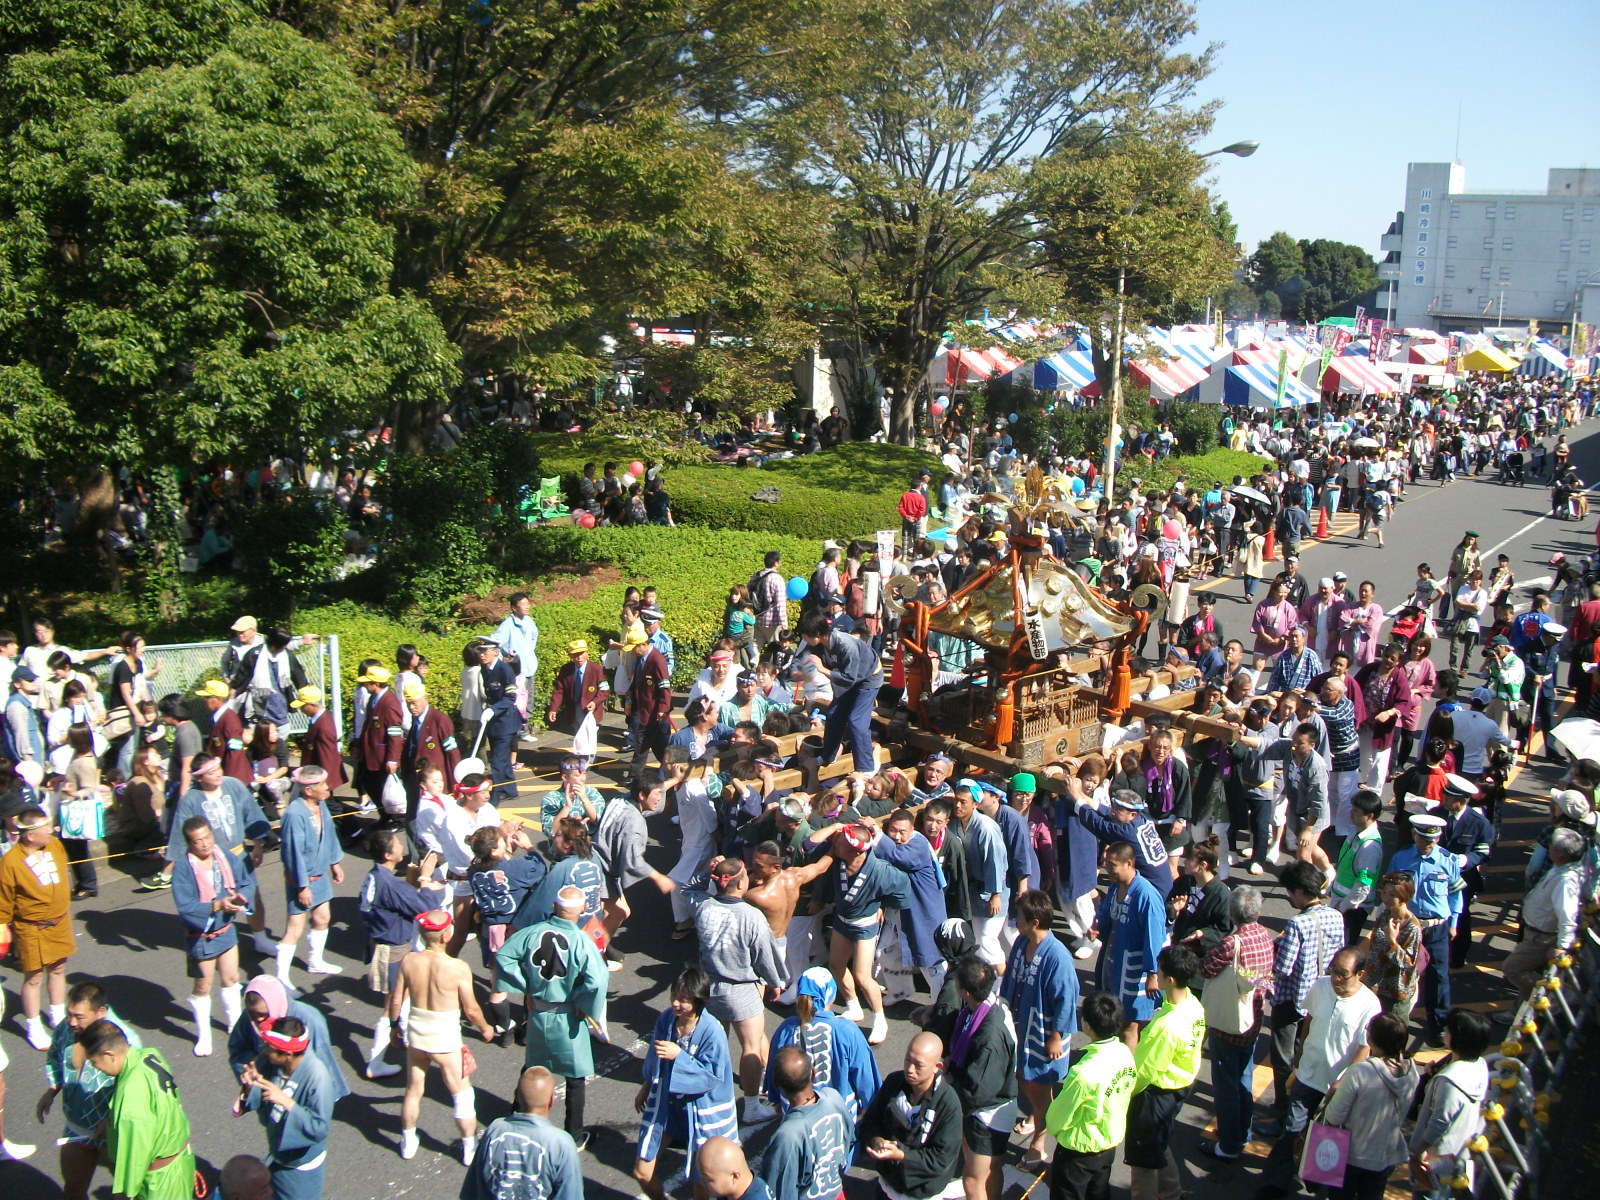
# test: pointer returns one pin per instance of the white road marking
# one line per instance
(1514, 536)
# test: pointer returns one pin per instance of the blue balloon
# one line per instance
(798, 587)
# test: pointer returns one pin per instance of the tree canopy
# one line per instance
(195, 255)
(1312, 279)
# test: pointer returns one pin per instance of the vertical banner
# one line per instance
(1335, 339)
(1361, 318)
(1283, 375)
(886, 548)
(1222, 335)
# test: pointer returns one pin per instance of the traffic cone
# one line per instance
(1270, 549)
(1322, 524)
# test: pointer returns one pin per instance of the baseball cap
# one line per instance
(414, 691)
(375, 675)
(577, 646)
(242, 624)
(306, 695)
(214, 689)
(1340, 576)
(25, 674)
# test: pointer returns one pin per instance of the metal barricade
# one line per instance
(185, 666)
(1530, 1067)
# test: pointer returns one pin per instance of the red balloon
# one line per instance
(586, 520)
(636, 467)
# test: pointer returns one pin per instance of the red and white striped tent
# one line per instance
(1355, 373)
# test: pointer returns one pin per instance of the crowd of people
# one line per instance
(1073, 943)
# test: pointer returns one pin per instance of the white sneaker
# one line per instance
(10, 1150)
(367, 809)
(409, 1143)
(757, 1111)
(378, 1069)
(852, 1011)
(321, 966)
(202, 1043)
(880, 1030)
(38, 1035)
(1257, 869)
(1087, 950)
(469, 1148)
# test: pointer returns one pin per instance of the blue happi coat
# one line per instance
(308, 854)
(840, 1059)
(811, 1149)
(698, 1083)
(1043, 997)
(582, 873)
(210, 934)
(245, 1044)
(1132, 928)
(926, 911)
(524, 1157)
(297, 1136)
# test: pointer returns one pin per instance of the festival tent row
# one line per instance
(1545, 360)
(1354, 373)
(1487, 358)
(1255, 385)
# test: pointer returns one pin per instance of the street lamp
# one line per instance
(1238, 150)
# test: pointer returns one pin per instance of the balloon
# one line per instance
(636, 467)
(939, 406)
(586, 520)
(798, 587)
(1013, 418)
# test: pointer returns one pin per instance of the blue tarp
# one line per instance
(1255, 385)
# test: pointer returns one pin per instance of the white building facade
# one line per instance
(1459, 260)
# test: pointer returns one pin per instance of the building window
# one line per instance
(1452, 242)
(1426, 193)
(1511, 212)
(1490, 212)
(1505, 243)
(1448, 300)
(1505, 274)
(1488, 243)
(1449, 270)
(1566, 245)
(1455, 212)
(1423, 208)
(1583, 246)
(1588, 212)
(1561, 276)
(1566, 213)
(1483, 272)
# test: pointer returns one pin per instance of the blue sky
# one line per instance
(1342, 96)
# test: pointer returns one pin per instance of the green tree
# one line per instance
(931, 115)
(195, 257)
(1275, 262)
(1128, 231)
(1336, 274)
(290, 549)
(574, 169)
(1240, 300)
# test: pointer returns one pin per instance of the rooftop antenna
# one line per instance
(1457, 157)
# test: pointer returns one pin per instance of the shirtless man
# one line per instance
(440, 991)
(775, 890)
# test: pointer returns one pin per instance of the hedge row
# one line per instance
(1200, 471)
(848, 491)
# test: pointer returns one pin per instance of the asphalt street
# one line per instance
(129, 940)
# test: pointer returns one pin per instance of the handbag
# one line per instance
(118, 723)
(1229, 998)
(84, 817)
(469, 1062)
(1326, 1155)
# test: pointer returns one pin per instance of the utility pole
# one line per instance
(1116, 391)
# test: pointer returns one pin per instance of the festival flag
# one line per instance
(1361, 318)
(1283, 375)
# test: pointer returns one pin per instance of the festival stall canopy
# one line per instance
(1002, 362)
(1066, 369)
(1543, 359)
(954, 366)
(1428, 353)
(1487, 358)
(1353, 373)
(1254, 385)
(1170, 379)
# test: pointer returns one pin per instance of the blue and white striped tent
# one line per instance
(1064, 369)
(1543, 360)
(1255, 385)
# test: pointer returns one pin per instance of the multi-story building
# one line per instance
(1459, 260)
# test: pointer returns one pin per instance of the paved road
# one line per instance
(130, 942)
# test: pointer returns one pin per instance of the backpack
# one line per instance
(757, 596)
(855, 600)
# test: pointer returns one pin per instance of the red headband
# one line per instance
(434, 920)
(282, 1041)
(462, 789)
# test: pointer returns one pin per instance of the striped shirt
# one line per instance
(1305, 948)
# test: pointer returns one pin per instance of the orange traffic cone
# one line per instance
(1322, 524)
(1269, 550)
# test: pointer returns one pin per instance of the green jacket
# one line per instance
(1090, 1113)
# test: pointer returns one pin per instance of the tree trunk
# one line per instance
(414, 425)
